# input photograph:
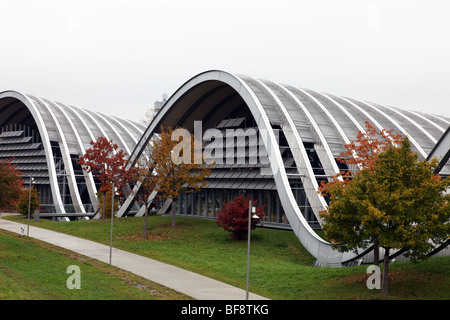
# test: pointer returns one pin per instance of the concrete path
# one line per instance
(189, 283)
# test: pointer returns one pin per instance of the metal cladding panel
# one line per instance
(15, 140)
(13, 147)
(30, 153)
(426, 125)
(382, 120)
(123, 131)
(445, 171)
(267, 102)
(96, 131)
(328, 130)
(212, 184)
(297, 115)
(83, 132)
(31, 167)
(388, 123)
(357, 114)
(112, 135)
(413, 130)
(440, 120)
(230, 123)
(11, 134)
(69, 135)
(29, 160)
(136, 129)
(50, 125)
(342, 119)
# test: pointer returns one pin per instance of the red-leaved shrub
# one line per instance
(234, 216)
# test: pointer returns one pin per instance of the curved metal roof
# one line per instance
(304, 116)
(72, 129)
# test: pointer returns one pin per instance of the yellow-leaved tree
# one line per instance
(397, 200)
(175, 164)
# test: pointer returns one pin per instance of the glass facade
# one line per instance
(240, 176)
(207, 203)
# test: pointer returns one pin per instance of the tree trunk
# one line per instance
(145, 220)
(376, 252)
(384, 288)
(104, 206)
(173, 213)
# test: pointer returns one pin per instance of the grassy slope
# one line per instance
(31, 269)
(280, 266)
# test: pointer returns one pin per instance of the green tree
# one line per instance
(399, 201)
(360, 155)
(104, 199)
(174, 166)
(24, 200)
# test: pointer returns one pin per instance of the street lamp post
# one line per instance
(250, 217)
(29, 205)
(112, 217)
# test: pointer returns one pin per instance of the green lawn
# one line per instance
(33, 270)
(280, 266)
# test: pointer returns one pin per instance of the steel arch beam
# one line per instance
(318, 247)
(89, 179)
(299, 153)
(441, 150)
(42, 128)
(324, 152)
(63, 146)
(396, 124)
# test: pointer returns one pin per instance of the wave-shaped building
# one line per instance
(45, 139)
(285, 140)
(299, 133)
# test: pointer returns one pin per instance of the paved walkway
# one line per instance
(189, 283)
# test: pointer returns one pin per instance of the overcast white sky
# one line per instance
(118, 57)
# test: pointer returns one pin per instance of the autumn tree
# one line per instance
(175, 168)
(398, 200)
(233, 217)
(109, 165)
(10, 185)
(144, 170)
(107, 202)
(360, 155)
(28, 199)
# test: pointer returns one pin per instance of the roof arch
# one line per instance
(305, 117)
(65, 133)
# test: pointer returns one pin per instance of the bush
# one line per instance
(24, 198)
(107, 203)
(234, 216)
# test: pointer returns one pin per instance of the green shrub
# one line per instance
(24, 199)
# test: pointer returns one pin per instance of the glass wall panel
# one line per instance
(182, 202)
(218, 201)
(210, 200)
(196, 199)
(203, 202)
(189, 203)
